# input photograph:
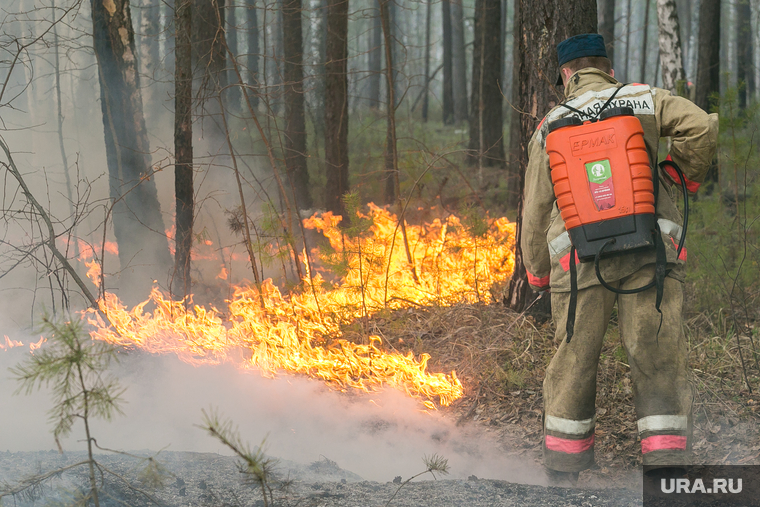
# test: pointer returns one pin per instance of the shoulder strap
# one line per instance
(592, 117)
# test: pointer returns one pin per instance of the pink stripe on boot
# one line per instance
(663, 442)
(569, 446)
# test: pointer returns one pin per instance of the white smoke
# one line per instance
(377, 436)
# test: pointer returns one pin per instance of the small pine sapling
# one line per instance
(257, 469)
(77, 369)
(433, 464)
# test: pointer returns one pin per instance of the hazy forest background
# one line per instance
(155, 128)
(226, 119)
(183, 144)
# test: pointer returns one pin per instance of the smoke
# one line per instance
(377, 436)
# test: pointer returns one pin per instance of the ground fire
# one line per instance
(301, 332)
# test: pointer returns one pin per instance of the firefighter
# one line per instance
(654, 342)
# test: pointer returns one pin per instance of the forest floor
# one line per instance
(211, 480)
(501, 357)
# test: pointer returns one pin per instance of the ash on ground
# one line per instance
(211, 480)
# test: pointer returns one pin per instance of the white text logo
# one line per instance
(698, 486)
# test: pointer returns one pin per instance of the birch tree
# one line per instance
(671, 56)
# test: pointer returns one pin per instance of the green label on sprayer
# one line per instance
(599, 171)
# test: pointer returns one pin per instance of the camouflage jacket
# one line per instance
(545, 242)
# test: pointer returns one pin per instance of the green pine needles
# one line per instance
(256, 468)
(75, 367)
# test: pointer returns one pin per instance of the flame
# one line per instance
(93, 271)
(37, 345)
(222, 273)
(200, 250)
(9, 344)
(111, 247)
(301, 333)
(87, 251)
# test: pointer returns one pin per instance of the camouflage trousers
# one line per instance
(658, 364)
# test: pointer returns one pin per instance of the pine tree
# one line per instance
(535, 59)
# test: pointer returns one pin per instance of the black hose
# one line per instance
(685, 203)
(681, 241)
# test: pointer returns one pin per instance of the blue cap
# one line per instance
(579, 46)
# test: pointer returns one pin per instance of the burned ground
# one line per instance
(501, 358)
(211, 480)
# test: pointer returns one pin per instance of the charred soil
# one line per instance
(501, 356)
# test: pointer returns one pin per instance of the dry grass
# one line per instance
(501, 358)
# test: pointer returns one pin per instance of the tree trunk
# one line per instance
(727, 60)
(61, 144)
(503, 42)
(708, 63)
(459, 62)
(318, 88)
(209, 44)
(390, 156)
(336, 107)
(183, 147)
(137, 220)
(693, 46)
(644, 41)
(273, 59)
(708, 68)
(426, 84)
(231, 36)
(607, 26)
(295, 122)
(538, 30)
(375, 60)
(393, 38)
(671, 57)
(149, 54)
(684, 23)
(253, 50)
(756, 51)
(167, 29)
(486, 146)
(625, 77)
(448, 89)
(745, 71)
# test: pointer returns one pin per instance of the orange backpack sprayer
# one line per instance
(606, 193)
(603, 182)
